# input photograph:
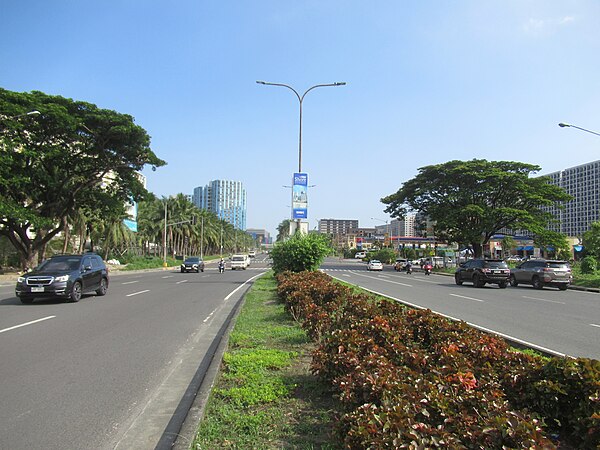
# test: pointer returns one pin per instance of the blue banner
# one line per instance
(300, 196)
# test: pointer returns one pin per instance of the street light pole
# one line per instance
(387, 227)
(300, 101)
(562, 125)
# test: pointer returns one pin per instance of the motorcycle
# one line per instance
(427, 269)
(408, 269)
(221, 267)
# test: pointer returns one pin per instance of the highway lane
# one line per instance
(108, 371)
(565, 322)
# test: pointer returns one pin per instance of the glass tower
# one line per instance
(227, 199)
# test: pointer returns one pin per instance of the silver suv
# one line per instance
(542, 272)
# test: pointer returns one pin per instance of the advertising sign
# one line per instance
(300, 196)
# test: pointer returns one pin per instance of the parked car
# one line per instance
(239, 262)
(374, 264)
(192, 264)
(400, 264)
(542, 272)
(65, 276)
(483, 271)
(360, 255)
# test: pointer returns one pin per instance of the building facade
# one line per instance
(227, 199)
(583, 184)
(337, 226)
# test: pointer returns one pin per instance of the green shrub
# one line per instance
(589, 265)
(299, 253)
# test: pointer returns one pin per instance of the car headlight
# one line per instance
(20, 279)
(62, 278)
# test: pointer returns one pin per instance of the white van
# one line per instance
(239, 262)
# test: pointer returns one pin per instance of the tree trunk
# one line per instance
(477, 249)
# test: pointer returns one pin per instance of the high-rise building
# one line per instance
(583, 184)
(337, 226)
(227, 199)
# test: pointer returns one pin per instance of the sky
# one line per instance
(427, 82)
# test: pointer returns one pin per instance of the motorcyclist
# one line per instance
(408, 267)
(221, 265)
(427, 268)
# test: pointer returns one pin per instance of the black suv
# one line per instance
(192, 264)
(482, 271)
(67, 276)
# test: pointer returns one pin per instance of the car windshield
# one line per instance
(375, 262)
(59, 265)
(557, 264)
(495, 265)
(237, 258)
(192, 260)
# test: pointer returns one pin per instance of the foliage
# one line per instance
(547, 239)
(589, 265)
(283, 230)
(591, 240)
(299, 253)
(412, 378)
(470, 201)
(385, 255)
(73, 157)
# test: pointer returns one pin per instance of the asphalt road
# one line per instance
(563, 322)
(108, 372)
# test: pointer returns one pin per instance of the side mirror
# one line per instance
(87, 268)
(462, 264)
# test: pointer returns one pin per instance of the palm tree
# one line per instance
(283, 230)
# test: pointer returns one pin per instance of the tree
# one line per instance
(508, 243)
(470, 201)
(591, 240)
(73, 156)
(283, 230)
(300, 252)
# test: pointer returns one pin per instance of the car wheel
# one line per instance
(513, 281)
(502, 284)
(202, 270)
(103, 288)
(182, 270)
(563, 287)
(457, 279)
(26, 300)
(76, 292)
(537, 284)
(477, 281)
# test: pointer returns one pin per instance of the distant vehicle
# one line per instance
(192, 264)
(514, 258)
(360, 255)
(66, 276)
(483, 271)
(375, 265)
(251, 254)
(400, 264)
(239, 262)
(542, 272)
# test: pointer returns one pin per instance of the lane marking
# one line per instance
(594, 325)
(137, 293)
(131, 282)
(168, 276)
(346, 275)
(182, 281)
(27, 323)
(383, 276)
(209, 316)
(242, 285)
(380, 279)
(468, 298)
(544, 300)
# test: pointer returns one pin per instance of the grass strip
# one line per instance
(265, 396)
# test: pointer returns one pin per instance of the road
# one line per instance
(108, 372)
(563, 322)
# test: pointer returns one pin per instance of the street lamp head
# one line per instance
(562, 125)
(339, 83)
(34, 112)
(260, 82)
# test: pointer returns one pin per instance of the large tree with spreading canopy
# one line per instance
(69, 158)
(470, 201)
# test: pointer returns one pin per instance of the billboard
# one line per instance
(300, 196)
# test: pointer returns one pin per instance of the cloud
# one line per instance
(537, 26)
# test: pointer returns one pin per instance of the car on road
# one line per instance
(483, 271)
(360, 255)
(239, 262)
(192, 264)
(400, 264)
(542, 272)
(64, 276)
(374, 264)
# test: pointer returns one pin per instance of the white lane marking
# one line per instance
(487, 330)
(346, 275)
(544, 300)
(242, 285)
(137, 293)
(182, 281)
(383, 276)
(209, 316)
(468, 298)
(168, 276)
(131, 282)
(594, 325)
(381, 279)
(27, 323)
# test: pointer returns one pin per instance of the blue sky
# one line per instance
(428, 82)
